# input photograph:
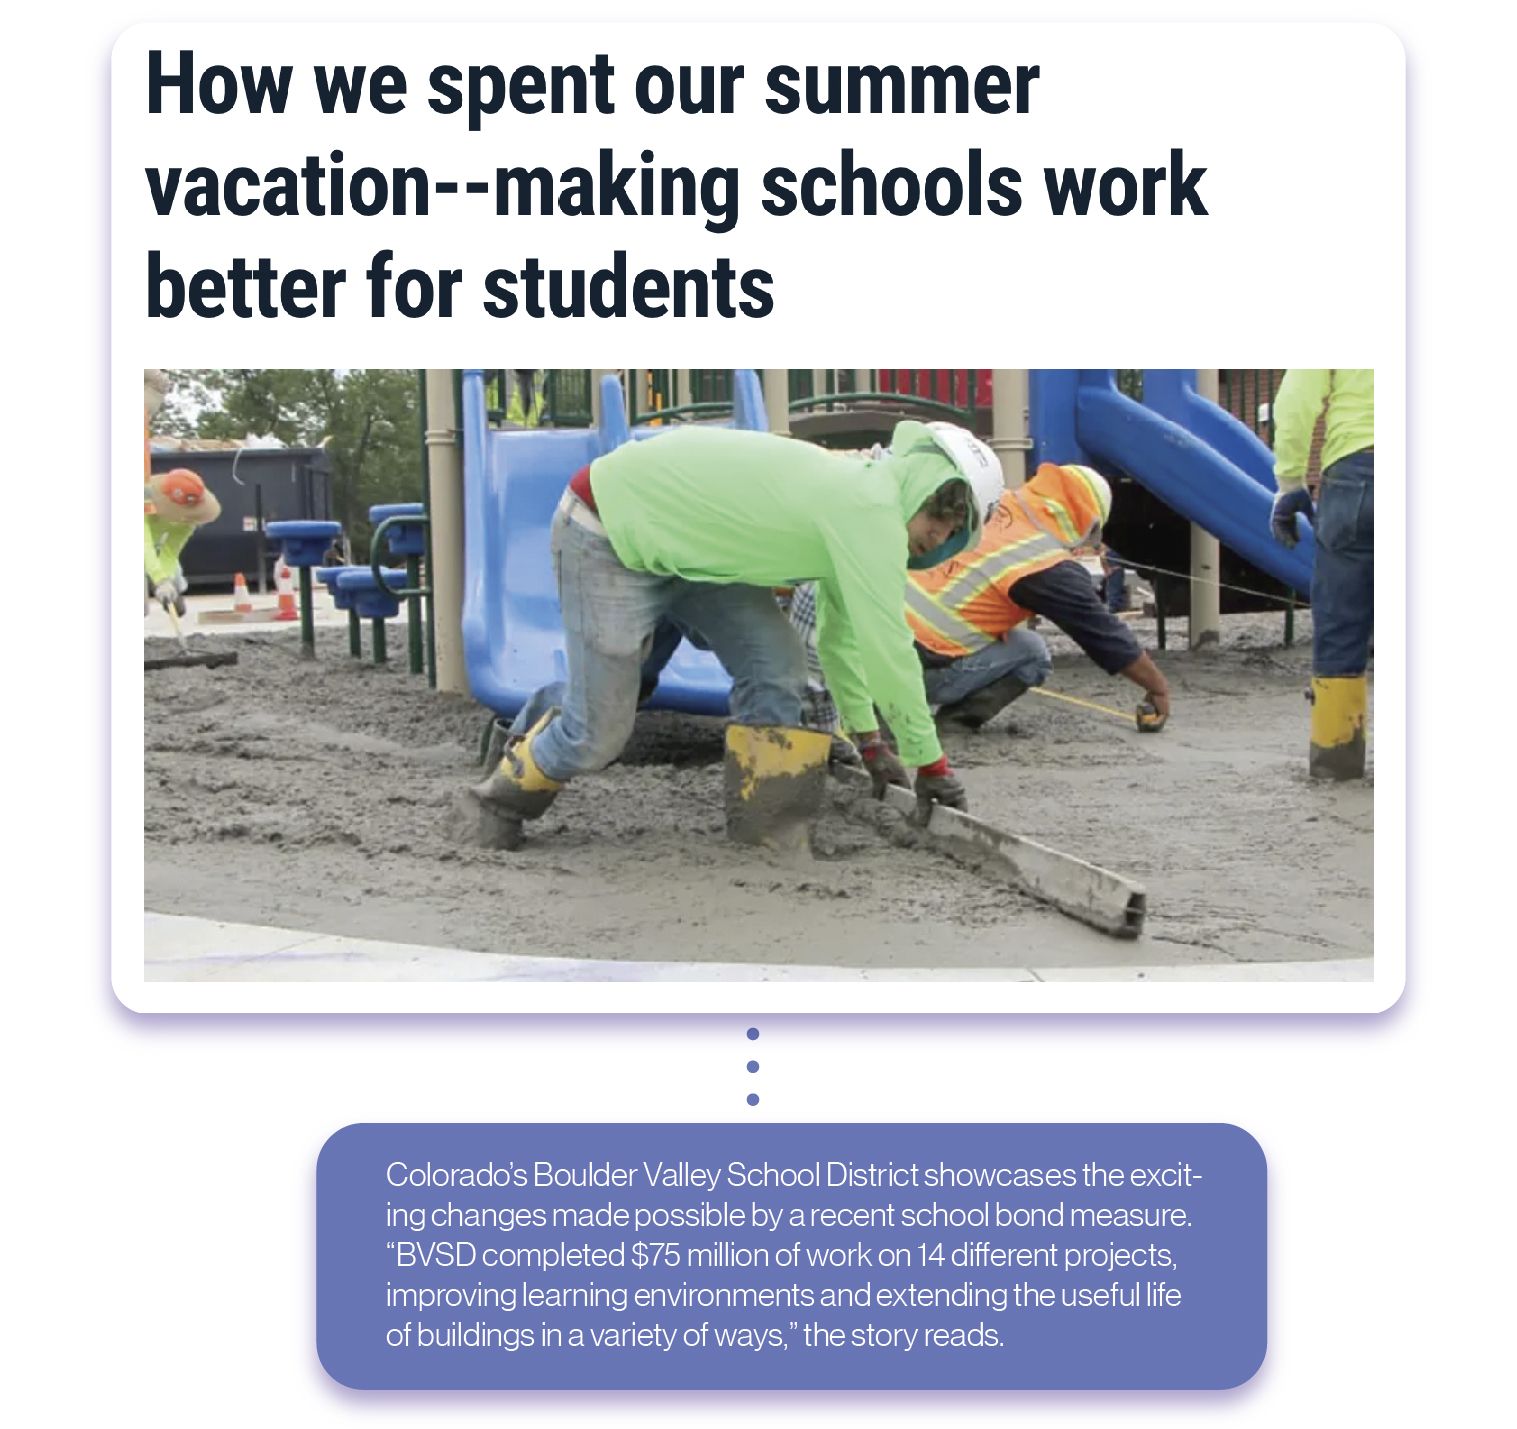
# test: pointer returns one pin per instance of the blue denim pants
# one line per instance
(1343, 579)
(610, 616)
(1022, 654)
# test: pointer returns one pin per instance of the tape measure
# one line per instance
(1147, 718)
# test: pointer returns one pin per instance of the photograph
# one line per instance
(869, 674)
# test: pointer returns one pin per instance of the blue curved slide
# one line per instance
(513, 480)
(1220, 481)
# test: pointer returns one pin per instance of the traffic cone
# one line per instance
(242, 602)
(284, 583)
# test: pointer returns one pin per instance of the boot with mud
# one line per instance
(1339, 706)
(775, 781)
(976, 710)
(493, 813)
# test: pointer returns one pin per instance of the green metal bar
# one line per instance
(355, 635)
(413, 613)
(1159, 609)
(380, 653)
(689, 409)
(1290, 621)
(908, 399)
(376, 549)
(307, 616)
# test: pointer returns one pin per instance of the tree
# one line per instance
(367, 419)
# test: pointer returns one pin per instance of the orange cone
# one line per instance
(242, 602)
(284, 583)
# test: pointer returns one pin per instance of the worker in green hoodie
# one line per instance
(698, 527)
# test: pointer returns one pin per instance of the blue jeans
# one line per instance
(1343, 579)
(611, 615)
(1023, 654)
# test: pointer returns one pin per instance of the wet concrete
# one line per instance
(315, 795)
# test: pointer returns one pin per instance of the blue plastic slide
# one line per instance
(512, 629)
(1188, 452)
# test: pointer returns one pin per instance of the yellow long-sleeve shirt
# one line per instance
(1350, 396)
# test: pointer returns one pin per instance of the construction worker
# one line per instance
(526, 396)
(175, 505)
(969, 615)
(699, 527)
(1343, 577)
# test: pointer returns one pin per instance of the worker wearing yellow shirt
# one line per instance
(1343, 578)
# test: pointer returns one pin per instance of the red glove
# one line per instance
(882, 762)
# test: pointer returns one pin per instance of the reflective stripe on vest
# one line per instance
(1068, 536)
(943, 622)
(990, 567)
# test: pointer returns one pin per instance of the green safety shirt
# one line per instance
(162, 541)
(1350, 396)
(750, 508)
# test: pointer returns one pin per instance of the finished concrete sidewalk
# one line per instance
(179, 950)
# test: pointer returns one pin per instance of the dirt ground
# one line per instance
(313, 796)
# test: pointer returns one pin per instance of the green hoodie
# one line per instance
(748, 508)
(162, 541)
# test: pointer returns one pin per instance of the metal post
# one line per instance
(413, 613)
(355, 635)
(1205, 556)
(777, 399)
(260, 541)
(1009, 438)
(354, 643)
(446, 577)
(307, 616)
(381, 653)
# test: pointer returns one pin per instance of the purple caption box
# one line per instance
(791, 1257)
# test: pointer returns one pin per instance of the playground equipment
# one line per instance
(375, 595)
(1196, 458)
(302, 545)
(512, 633)
(403, 528)
(343, 600)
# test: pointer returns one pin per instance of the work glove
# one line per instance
(1282, 516)
(882, 762)
(844, 751)
(938, 784)
(166, 593)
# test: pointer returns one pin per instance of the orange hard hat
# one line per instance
(182, 487)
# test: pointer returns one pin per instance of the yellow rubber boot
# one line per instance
(491, 813)
(1339, 707)
(775, 778)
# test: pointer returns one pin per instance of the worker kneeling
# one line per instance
(969, 614)
(698, 527)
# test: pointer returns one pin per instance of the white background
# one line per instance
(159, 1182)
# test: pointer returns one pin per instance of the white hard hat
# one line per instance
(977, 464)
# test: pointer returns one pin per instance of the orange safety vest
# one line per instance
(965, 604)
